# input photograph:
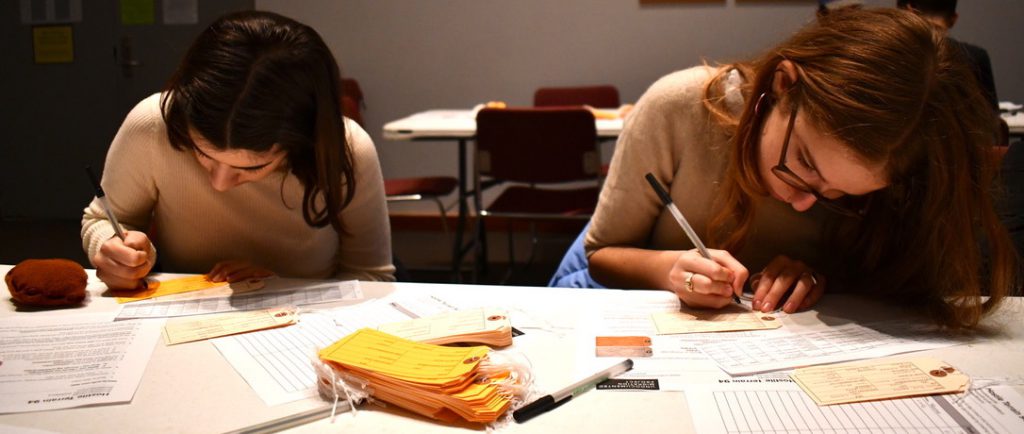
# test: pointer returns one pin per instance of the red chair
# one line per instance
(549, 161)
(604, 96)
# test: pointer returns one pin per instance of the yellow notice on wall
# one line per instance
(53, 44)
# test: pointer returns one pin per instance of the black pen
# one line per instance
(548, 402)
(672, 208)
(106, 208)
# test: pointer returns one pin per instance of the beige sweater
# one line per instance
(672, 135)
(152, 187)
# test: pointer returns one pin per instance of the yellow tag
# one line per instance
(399, 358)
(191, 329)
(482, 325)
(180, 285)
(702, 321)
(879, 379)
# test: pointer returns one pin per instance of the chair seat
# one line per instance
(427, 185)
(525, 201)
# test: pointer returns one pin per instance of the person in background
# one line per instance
(854, 155)
(943, 14)
(244, 167)
(827, 6)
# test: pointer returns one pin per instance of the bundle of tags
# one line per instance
(444, 383)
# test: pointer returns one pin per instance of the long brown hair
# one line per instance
(897, 93)
(255, 79)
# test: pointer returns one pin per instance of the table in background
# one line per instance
(192, 388)
(460, 126)
(1015, 122)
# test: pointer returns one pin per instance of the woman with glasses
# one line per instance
(853, 155)
(244, 166)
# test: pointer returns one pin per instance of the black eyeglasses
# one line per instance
(793, 180)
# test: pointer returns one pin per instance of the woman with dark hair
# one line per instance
(244, 167)
(853, 154)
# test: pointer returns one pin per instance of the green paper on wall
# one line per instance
(138, 12)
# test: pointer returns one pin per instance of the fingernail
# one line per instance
(756, 304)
(766, 307)
(789, 308)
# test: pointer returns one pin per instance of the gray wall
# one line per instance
(414, 55)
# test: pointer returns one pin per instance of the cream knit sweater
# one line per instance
(672, 135)
(152, 187)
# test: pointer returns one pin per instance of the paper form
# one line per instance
(879, 379)
(297, 296)
(672, 361)
(784, 408)
(68, 361)
(277, 363)
(780, 349)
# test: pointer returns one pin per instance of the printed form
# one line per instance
(782, 349)
(277, 363)
(296, 296)
(665, 362)
(52, 362)
(781, 407)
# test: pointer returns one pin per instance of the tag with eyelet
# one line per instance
(879, 379)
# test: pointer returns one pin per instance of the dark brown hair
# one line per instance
(255, 79)
(883, 82)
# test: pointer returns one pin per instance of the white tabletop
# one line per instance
(461, 124)
(191, 388)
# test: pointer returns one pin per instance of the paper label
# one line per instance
(191, 329)
(704, 321)
(184, 284)
(485, 325)
(879, 379)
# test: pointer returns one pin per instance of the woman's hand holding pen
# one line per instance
(702, 282)
(781, 275)
(123, 264)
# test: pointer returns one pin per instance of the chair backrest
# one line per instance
(537, 145)
(605, 96)
(352, 100)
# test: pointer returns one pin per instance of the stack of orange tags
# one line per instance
(444, 383)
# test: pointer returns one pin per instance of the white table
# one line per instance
(456, 124)
(191, 388)
(1015, 122)
(460, 126)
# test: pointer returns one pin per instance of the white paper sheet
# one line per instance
(783, 408)
(675, 362)
(51, 362)
(277, 363)
(783, 349)
(296, 296)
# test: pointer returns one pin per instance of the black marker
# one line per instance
(549, 402)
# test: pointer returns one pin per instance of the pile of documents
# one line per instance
(445, 383)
